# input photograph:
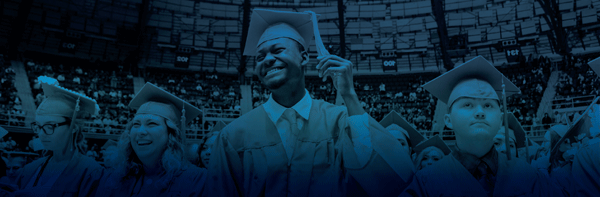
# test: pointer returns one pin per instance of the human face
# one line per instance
(207, 150)
(402, 139)
(279, 62)
(500, 144)
(13, 165)
(474, 119)
(57, 141)
(149, 136)
(430, 157)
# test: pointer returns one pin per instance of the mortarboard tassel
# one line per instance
(75, 112)
(506, 131)
(183, 118)
(73, 123)
(527, 149)
(321, 50)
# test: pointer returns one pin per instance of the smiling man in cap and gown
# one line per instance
(293, 145)
(475, 168)
(66, 172)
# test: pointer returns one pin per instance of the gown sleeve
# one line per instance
(359, 133)
(586, 171)
(225, 169)
(369, 156)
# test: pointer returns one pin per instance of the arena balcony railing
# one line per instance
(112, 130)
(10, 119)
(532, 131)
(575, 102)
(222, 113)
(196, 133)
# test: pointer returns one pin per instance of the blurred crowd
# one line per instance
(577, 79)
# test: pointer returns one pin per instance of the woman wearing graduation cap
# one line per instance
(151, 151)
(65, 172)
(430, 151)
(405, 133)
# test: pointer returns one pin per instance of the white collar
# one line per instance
(275, 110)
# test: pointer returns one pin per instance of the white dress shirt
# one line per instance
(358, 125)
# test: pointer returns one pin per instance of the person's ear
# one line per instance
(448, 121)
(305, 58)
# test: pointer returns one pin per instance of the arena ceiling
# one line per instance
(208, 34)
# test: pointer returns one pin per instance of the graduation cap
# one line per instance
(219, 126)
(267, 25)
(396, 124)
(584, 128)
(476, 78)
(109, 143)
(595, 65)
(153, 100)
(560, 129)
(64, 102)
(435, 141)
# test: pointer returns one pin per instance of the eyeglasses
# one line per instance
(47, 128)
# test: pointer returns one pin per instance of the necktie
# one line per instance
(485, 177)
(289, 122)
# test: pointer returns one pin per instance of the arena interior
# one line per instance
(108, 49)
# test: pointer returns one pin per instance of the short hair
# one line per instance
(299, 46)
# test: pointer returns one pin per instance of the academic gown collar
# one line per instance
(471, 162)
(275, 110)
